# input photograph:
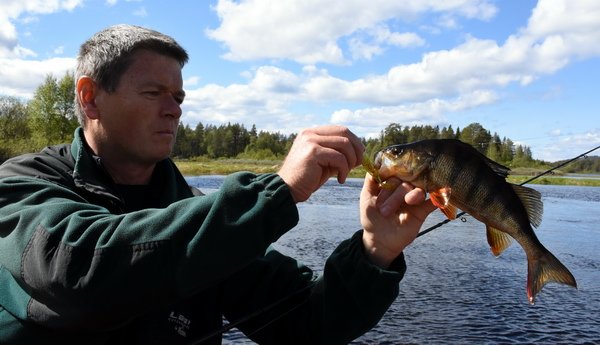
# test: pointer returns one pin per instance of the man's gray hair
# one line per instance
(107, 55)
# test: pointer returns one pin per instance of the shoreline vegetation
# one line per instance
(48, 119)
(228, 166)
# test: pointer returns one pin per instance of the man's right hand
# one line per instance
(316, 155)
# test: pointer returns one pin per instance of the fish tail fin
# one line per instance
(543, 269)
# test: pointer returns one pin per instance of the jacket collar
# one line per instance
(90, 174)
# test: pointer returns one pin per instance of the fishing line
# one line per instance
(459, 215)
(298, 293)
(236, 323)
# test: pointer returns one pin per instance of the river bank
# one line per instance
(228, 166)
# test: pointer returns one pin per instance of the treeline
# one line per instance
(502, 150)
(48, 118)
(230, 141)
(235, 141)
(589, 165)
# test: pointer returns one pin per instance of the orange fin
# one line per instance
(497, 240)
(532, 200)
(441, 199)
(544, 269)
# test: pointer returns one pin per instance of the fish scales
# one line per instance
(476, 186)
(457, 176)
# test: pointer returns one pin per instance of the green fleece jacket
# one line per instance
(77, 266)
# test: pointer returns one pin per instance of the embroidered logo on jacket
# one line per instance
(182, 324)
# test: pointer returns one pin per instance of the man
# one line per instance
(103, 242)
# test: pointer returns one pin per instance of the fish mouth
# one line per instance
(396, 163)
(388, 165)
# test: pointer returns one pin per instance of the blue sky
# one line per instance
(526, 70)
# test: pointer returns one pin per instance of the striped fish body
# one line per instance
(457, 176)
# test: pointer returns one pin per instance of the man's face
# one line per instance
(139, 119)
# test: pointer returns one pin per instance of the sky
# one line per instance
(526, 70)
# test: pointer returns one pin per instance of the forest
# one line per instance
(48, 118)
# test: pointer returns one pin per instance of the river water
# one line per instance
(455, 291)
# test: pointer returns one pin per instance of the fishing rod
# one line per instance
(446, 221)
(304, 297)
(236, 323)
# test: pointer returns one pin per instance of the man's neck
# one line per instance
(129, 173)
(123, 170)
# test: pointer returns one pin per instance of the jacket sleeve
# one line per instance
(345, 302)
(87, 269)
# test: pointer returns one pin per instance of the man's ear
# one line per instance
(87, 90)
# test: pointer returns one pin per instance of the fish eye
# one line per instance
(397, 151)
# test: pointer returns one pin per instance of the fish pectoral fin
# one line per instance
(450, 211)
(497, 240)
(441, 199)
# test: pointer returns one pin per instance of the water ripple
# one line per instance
(455, 291)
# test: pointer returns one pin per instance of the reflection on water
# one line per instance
(455, 290)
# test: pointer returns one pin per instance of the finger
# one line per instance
(390, 203)
(337, 153)
(370, 186)
(332, 163)
(341, 138)
(345, 146)
(415, 196)
(422, 210)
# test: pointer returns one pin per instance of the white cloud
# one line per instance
(191, 81)
(569, 146)
(11, 10)
(373, 41)
(442, 82)
(427, 112)
(473, 65)
(244, 104)
(439, 79)
(20, 78)
(272, 91)
(140, 12)
(556, 132)
(463, 77)
(308, 32)
(406, 39)
(275, 80)
(58, 50)
(360, 49)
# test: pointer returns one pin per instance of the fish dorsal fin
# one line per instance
(498, 168)
(441, 199)
(532, 200)
(497, 240)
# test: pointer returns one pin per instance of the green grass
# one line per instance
(225, 166)
(228, 166)
(562, 180)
